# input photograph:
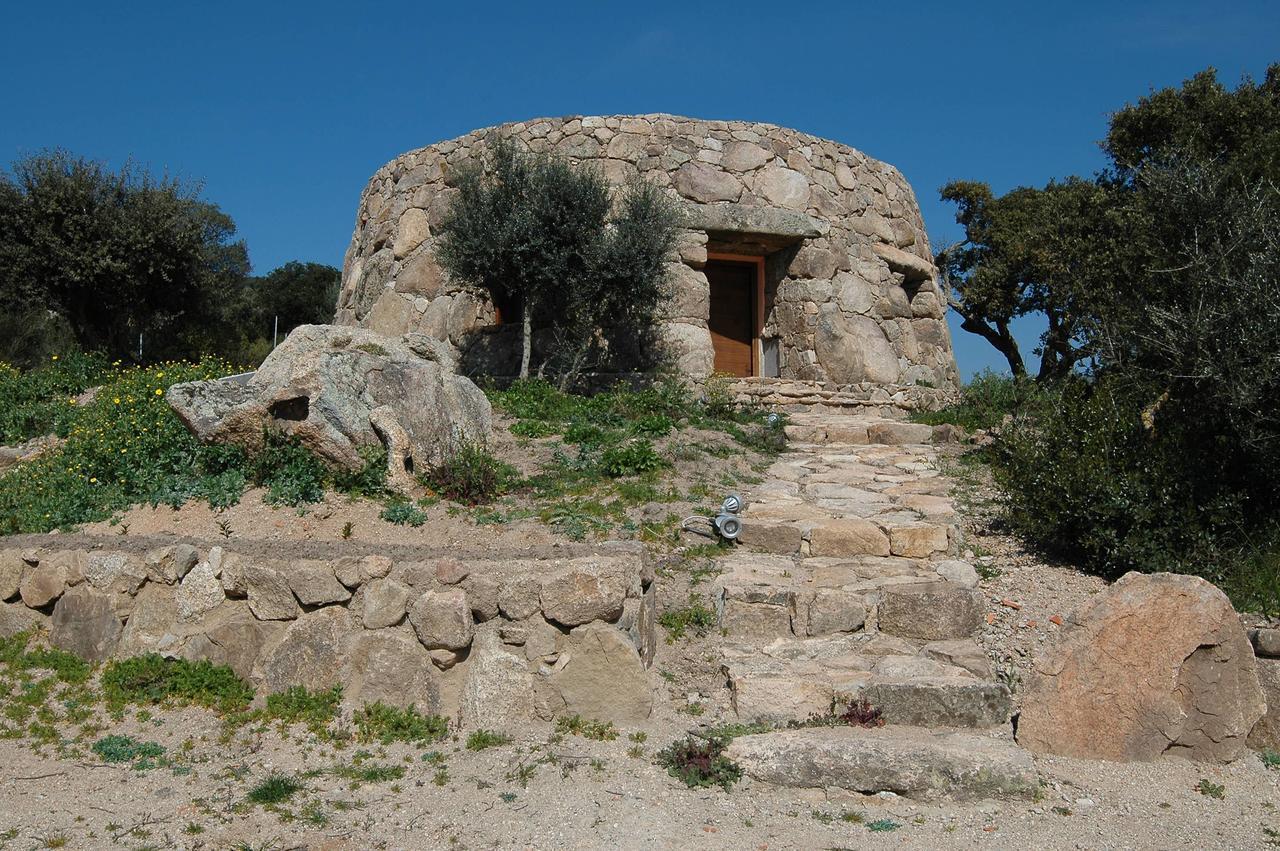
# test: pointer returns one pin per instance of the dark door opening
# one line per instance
(732, 319)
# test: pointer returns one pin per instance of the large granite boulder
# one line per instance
(1157, 664)
(340, 391)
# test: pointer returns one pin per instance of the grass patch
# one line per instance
(274, 789)
(66, 667)
(298, 705)
(372, 773)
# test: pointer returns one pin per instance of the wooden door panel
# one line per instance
(732, 316)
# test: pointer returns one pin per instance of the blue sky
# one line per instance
(283, 110)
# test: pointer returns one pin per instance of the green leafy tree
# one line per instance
(297, 293)
(537, 232)
(117, 254)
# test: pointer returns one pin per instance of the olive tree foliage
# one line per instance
(536, 231)
(113, 253)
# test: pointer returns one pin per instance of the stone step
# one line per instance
(919, 763)
(763, 597)
(926, 684)
(850, 431)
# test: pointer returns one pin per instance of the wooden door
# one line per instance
(732, 317)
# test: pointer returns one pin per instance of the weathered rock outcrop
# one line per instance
(1158, 664)
(341, 392)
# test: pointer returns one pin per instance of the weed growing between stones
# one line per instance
(481, 739)
(1210, 789)
(1270, 759)
(386, 724)
(860, 713)
(696, 616)
(700, 763)
(587, 728)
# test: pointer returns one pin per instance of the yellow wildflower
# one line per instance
(159, 392)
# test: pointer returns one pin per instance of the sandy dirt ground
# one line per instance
(547, 790)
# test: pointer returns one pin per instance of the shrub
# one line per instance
(387, 724)
(403, 513)
(588, 728)
(152, 679)
(630, 459)
(291, 474)
(700, 763)
(471, 476)
(985, 401)
(127, 446)
(118, 748)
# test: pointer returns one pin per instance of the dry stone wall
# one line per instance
(851, 297)
(490, 642)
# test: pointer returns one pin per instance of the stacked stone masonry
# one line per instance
(851, 299)
(489, 642)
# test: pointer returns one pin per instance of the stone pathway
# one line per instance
(845, 591)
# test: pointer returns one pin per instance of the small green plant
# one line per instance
(600, 731)
(297, 704)
(403, 513)
(700, 763)
(370, 773)
(1210, 789)
(471, 476)
(386, 724)
(152, 679)
(1270, 759)
(696, 616)
(291, 474)
(630, 459)
(116, 748)
(883, 825)
(347, 529)
(274, 789)
(482, 739)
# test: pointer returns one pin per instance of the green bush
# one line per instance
(291, 474)
(471, 476)
(152, 679)
(630, 459)
(386, 724)
(985, 401)
(403, 513)
(126, 447)
(297, 704)
(1090, 478)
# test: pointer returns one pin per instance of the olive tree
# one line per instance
(538, 232)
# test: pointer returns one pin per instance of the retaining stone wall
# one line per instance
(491, 642)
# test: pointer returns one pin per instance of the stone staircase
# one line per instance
(846, 591)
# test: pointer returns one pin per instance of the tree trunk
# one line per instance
(526, 337)
(999, 337)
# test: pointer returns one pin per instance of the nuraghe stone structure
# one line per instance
(852, 594)
(803, 265)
